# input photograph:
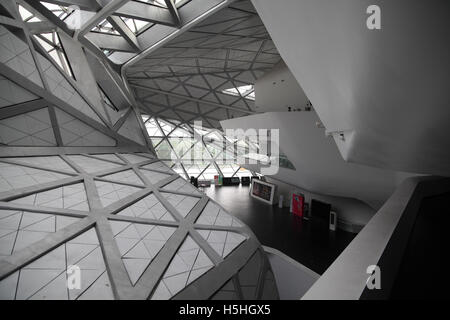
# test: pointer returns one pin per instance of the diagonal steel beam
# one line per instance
(174, 34)
(192, 99)
(9, 21)
(125, 32)
(47, 14)
(174, 12)
(88, 5)
(104, 12)
(41, 27)
(110, 42)
(146, 12)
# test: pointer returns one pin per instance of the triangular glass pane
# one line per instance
(195, 167)
(163, 150)
(105, 27)
(181, 145)
(166, 127)
(135, 25)
(51, 43)
(209, 173)
(25, 14)
(153, 129)
(62, 12)
(179, 132)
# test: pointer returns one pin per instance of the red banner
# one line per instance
(297, 204)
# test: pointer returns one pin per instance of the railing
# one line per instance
(381, 242)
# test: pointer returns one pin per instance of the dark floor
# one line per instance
(314, 247)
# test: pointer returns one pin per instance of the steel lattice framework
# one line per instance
(80, 184)
(187, 79)
(196, 152)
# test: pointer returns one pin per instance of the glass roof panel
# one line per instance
(178, 169)
(44, 44)
(163, 150)
(194, 168)
(153, 129)
(169, 163)
(198, 154)
(105, 27)
(200, 130)
(159, 3)
(51, 44)
(181, 145)
(180, 132)
(61, 12)
(213, 149)
(25, 14)
(166, 127)
(135, 25)
(247, 91)
(156, 141)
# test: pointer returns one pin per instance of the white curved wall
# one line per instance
(278, 90)
(388, 87)
(319, 166)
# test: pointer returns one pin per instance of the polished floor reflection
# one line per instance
(312, 246)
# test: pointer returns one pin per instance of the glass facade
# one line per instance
(195, 151)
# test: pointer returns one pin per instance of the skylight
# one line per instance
(105, 27)
(135, 25)
(61, 12)
(52, 45)
(159, 3)
(247, 92)
(199, 155)
(27, 16)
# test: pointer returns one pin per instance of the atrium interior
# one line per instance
(223, 149)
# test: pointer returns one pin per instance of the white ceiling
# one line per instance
(184, 79)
